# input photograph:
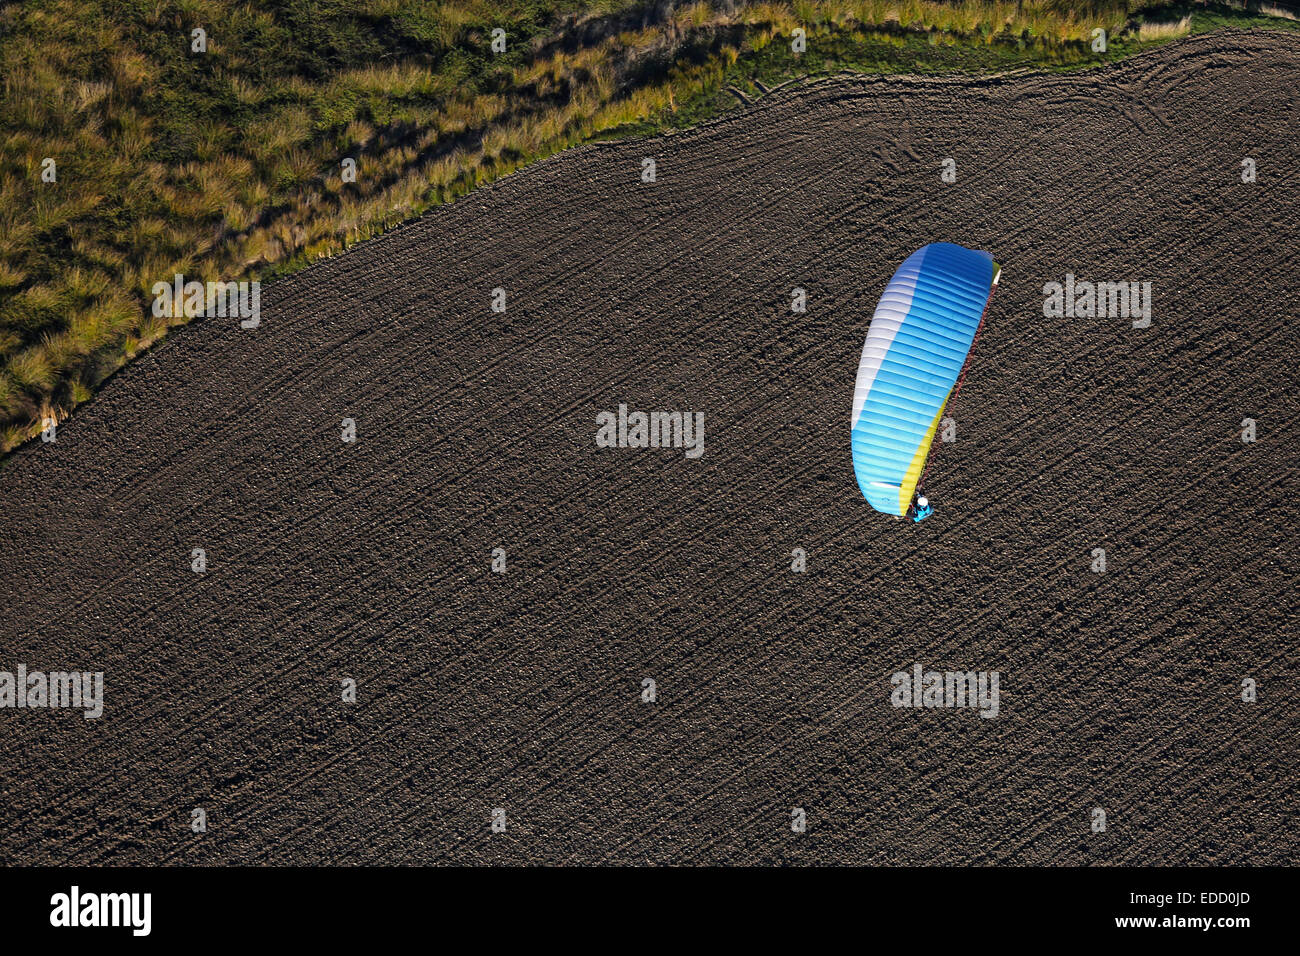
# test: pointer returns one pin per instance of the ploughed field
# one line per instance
(476, 430)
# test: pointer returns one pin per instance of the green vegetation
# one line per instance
(225, 164)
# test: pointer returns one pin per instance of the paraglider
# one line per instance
(912, 362)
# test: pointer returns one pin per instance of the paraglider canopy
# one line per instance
(918, 341)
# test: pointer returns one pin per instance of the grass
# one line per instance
(227, 164)
(1167, 30)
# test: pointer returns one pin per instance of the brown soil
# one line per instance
(370, 561)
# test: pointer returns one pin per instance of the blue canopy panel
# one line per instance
(916, 346)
